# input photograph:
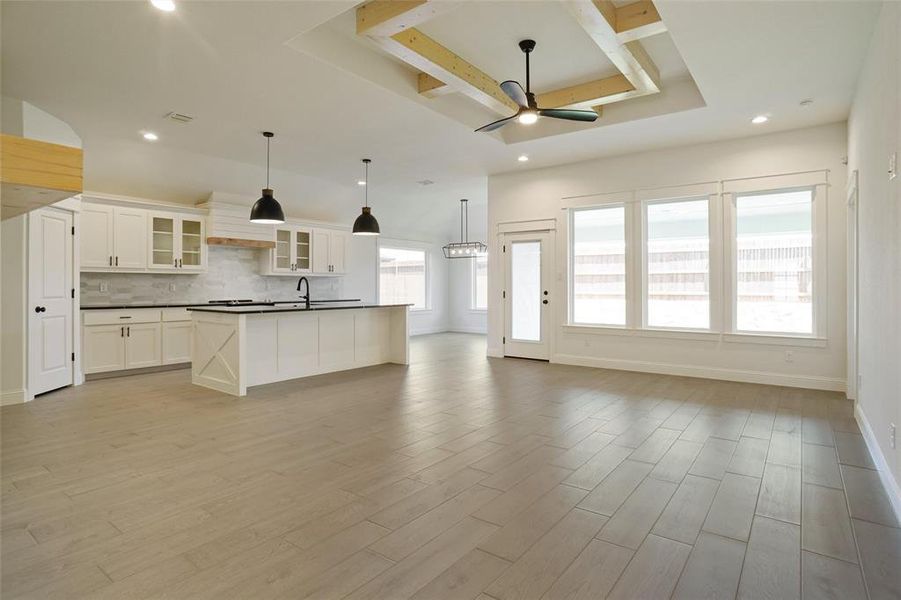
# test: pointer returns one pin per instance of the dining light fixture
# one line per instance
(267, 210)
(464, 248)
(366, 223)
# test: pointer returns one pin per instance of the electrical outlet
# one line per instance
(892, 434)
(789, 356)
(171, 286)
(104, 287)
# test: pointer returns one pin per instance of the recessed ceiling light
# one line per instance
(361, 182)
(150, 136)
(760, 119)
(523, 158)
(164, 5)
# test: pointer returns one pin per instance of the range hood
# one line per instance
(227, 224)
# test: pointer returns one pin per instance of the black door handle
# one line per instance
(40, 309)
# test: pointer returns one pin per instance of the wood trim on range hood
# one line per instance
(225, 241)
(35, 173)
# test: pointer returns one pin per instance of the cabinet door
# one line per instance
(177, 342)
(130, 238)
(96, 236)
(142, 345)
(320, 251)
(282, 261)
(337, 251)
(163, 239)
(302, 256)
(192, 245)
(103, 348)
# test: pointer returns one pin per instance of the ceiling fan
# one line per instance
(528, 109)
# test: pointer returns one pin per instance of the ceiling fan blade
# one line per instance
(496, 124)
(515, 92)
(569, 114)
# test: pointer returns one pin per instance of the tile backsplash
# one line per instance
(232, 273)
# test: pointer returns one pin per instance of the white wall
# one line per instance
(537, 194)
(874, 128)
(13, 286)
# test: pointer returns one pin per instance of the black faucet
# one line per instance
(305, 297)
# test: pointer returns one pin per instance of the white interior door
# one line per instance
(50, 307)
(528, 266)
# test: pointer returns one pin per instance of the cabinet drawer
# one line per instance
(120, 317)
(176, 314)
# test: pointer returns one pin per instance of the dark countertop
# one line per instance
(294, 307)
(197, 304)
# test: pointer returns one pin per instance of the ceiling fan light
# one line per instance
(366, 224)
(267, 210)
(527, 117)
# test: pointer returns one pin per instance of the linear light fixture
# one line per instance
(464, 248)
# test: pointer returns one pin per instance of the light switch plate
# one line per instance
(892, 165)
(104, 287)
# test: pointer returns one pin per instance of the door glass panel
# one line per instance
(163, 241)
(190, 243)
(525, 272)
(282, 249)
(303, 250)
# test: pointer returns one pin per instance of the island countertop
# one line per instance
(296, 307)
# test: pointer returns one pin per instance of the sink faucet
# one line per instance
(305, 297)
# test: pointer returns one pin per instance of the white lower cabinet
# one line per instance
(114, 340)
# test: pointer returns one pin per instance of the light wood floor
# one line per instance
(455, 477)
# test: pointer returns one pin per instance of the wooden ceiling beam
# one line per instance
(638, 20)
(432, 88)
(588, 94)
(598, 18)
(387, 17)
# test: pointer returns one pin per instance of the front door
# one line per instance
(528, 265)
(50, 326)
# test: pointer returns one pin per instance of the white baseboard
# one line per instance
(496, 351)
(13, 397)
(427, 330)
(467, 330)
(885, 473)
(799, 381)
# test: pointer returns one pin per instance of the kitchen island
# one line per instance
(236, 347)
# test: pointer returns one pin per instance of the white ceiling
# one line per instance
(112, 69)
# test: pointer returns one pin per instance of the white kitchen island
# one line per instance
(236, 347)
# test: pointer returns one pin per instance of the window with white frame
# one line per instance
(599, 265)
(480, 282)
(403, 276)
(677, 267)
(773, 262)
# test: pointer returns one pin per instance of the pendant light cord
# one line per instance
(366, 187)
(268, 139)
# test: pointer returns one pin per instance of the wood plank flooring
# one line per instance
(456, 477)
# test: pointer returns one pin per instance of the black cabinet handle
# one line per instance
(128, 331)
(110, 261)
(40, 309)
(117, 261)
(121, 332)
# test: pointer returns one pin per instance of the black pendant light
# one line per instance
(267, 210)
(366, 223)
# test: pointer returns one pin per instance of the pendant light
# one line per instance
(464, 248)
(366, 223)
(267, 210)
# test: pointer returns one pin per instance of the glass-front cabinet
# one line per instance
(292, 250)
(176, 242)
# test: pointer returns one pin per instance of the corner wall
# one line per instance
(874, 132)
(537, 194)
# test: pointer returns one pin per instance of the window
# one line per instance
(480, 282)
(403, 277)
(599, 266)
(678, 264)
(774, 262)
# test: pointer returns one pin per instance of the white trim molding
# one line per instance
(885, 473)
(704, 372)
(14, 397)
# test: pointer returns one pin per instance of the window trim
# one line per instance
(406, 245)
(473, 288)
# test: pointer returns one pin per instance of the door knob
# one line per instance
(40, 309)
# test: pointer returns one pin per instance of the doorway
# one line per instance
(50, 300)
(528, 268)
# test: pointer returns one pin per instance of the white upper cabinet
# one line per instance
(330, 251)
(301, 250)
(137, 239)
(113, 238)
(176, 242)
